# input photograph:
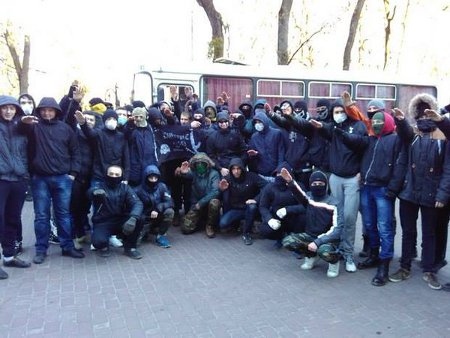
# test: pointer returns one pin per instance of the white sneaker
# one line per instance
(115, 242)
(309, 263)
(333, 270)
(350, 265)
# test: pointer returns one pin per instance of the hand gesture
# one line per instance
(225, 96)
(286, 175)
(80, 118)
(78, 94)
(195, 124)
(224, 171)
(267, 108)
(316, 124)
(184, 167)
(433, 115)
(223, 184)
(398, 114)
(252, 152)
(346, 98)
(30, 119)
(173, 93)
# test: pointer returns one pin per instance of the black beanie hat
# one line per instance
(109, 113)
(95, 100)
(318, 176)
(301, 105)
(323, 102)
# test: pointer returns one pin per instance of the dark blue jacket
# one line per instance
(157, 197)
(270, 146)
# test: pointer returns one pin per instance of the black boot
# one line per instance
(372, 261)
(365, 250)
(382, 276)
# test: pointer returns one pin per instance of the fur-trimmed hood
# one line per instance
(419, 103)
(201, 157)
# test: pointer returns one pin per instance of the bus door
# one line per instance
(142, 88)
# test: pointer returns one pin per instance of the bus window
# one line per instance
(182, 90)
(267, 88)
(294, 89)
(367, 92)
(328, 90)
(407, 92)
(238, 89)
(338, 88)
(142, 88)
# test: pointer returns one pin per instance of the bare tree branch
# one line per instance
(304, 43)
(351, 34)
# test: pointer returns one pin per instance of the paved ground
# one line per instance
(211, 288)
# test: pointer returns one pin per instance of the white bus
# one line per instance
(275, 84)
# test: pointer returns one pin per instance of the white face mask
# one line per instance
(340, 117)
(27, 108)
(259, 126)
(111, 124)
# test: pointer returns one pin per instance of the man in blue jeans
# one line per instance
(240, 189)
(55, 161)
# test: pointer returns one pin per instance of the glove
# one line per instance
(339, 132)
(274, 223)
(129, 226)
(281, 212)
(99, 195)
(390, 195)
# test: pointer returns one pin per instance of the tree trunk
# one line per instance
(351, 34)
(21, 68)
(387, 31)
(283, 32)
(216, 45)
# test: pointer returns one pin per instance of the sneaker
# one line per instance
(210, 231)
(3, 274)
(162, 241)
(16, 262)
(133, 253)
(309, 263)
(93, 248)
(333, 270)
(400, 275)
(247, 238)
(115, 242)
(39, 258)
(18, 249)
(350, 265)
(105, 252)
(428, 277)
(53, 239)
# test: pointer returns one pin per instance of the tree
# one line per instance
(351, 34)
(283, 31)
(21, 67)
(216, 45)
(387, 30)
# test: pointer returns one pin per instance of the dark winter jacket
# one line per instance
(270, 146)
(241, 189)
(13, 145)
(428, 165)
(155, 198)
(111, 148)
(54, 144)
(119, 204)
(345, 159)
(225, 144)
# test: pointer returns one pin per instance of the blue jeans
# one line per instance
(48, 189)
(233, 216)
(376, 212)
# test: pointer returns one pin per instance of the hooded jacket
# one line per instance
(269, 144)
(54, 145)
(204, 187)
(427, 172)
(157, 197)
(13, 145)
(247, 186)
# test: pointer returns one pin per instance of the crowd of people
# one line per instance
(296, 175)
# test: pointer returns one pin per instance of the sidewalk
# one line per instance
(217, 287)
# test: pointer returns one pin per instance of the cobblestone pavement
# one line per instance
(211, 288)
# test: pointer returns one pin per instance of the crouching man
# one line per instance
(116, 211)
(322, 227)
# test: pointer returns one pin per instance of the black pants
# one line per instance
(79, 207)
(180, 188)
(102, 232)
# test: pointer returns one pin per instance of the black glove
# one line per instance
(390, 195)
(339, 132)
(129, 226)
(99, 195)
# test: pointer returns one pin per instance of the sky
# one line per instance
(104, 42)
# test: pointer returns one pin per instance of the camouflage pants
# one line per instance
(209, 212)
(158, 225)
(329, 252)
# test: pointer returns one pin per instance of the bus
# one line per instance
(274, 84)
